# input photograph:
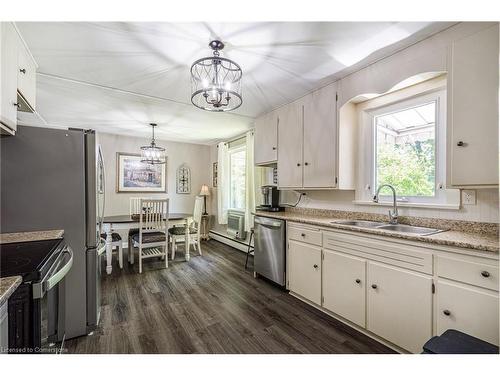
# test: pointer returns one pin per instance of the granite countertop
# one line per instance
(31, 236)
(8, 285)
(481, 239)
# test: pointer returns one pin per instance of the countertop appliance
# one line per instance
(269, 249)
(270, 199)
(37, 308)
(48, 181)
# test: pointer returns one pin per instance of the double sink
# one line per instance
(400, 228)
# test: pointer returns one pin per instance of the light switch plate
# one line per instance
(468, 197)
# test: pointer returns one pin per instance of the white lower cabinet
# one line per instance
(468, 309)
(344, 286)
(385, 286)
(399, 306)
(304, 273)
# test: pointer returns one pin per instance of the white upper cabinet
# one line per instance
(18, 78)
(8, 77)
(26, 76)
(266, 139)
(290, 136)
(320, 138)
(308, 144)
(473, 110)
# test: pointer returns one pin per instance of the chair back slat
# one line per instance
(198, 208)
(153, 216)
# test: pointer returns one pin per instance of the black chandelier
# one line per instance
(216, 82)
(152, 154)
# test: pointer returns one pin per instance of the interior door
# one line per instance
(399, 306)
(344, 286)
(290, 136)
(305, 270)
(320, 138)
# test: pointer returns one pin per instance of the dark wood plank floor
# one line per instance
(210, 305)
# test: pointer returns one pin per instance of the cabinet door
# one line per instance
(26, 75)
(399, 306)
(473, 121)
(290, 146)
(467, 309)
(320, 138)
(266, 138)
(344, 286)
(305, 270)
(8, 111)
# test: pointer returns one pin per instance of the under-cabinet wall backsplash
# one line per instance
(485, 210)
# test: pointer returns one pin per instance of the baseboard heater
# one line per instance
(230, 241)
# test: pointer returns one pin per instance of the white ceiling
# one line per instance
(117, 77)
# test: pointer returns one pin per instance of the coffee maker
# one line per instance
(271, 199)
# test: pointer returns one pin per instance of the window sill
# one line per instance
(441, 206)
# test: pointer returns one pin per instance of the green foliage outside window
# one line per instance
(409, 167)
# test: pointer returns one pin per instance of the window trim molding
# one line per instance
(431, 91)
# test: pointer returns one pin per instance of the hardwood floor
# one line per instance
(210, 305)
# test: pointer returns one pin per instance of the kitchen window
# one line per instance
(407, 149)
(237, 179)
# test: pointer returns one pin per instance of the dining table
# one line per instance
(126, 222)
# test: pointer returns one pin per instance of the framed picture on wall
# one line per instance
(134, 176)
(214, 174)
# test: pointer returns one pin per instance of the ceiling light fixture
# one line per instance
(153, 154)
(216, 82)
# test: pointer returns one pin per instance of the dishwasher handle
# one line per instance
(268, 223)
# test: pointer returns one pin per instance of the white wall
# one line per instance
(195, 156)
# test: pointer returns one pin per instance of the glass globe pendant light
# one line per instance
(216, 82)
(153, 154)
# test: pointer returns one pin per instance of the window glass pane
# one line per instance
(406, 150)
(237, 179)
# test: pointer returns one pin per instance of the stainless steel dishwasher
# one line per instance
(269, 249)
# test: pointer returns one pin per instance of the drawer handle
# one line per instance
(302, 234)
(298, 164)
(447, 312)
(23, 71)
(274, 148)
(358, 281)
(460, 143)
(315, 266)
(306, 163)
(374, 286)
(485, 274)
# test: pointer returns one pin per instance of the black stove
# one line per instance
(31, 260)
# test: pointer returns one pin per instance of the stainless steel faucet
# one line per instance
(393, 216)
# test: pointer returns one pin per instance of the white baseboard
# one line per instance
(229, 241)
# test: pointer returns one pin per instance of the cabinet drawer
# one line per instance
(304, 234)
(381, 250)
(470, 272)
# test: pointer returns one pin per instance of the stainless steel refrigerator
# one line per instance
(48, 181)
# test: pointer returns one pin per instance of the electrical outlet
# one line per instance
(468, 197)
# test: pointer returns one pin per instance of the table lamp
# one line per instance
(204, 193)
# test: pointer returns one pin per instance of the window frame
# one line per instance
(439, 97)
(233, 150)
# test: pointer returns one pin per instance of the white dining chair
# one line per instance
(179, 232)
(152, 239)
(116, 243)
(134, 209)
